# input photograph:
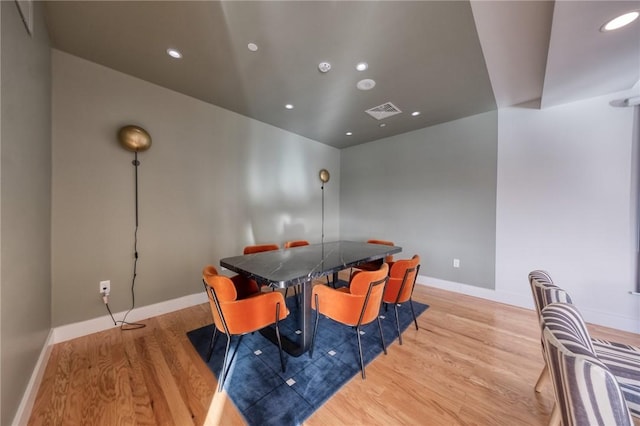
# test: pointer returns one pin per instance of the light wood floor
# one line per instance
(473, 362)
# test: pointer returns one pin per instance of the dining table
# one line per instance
(302, 266)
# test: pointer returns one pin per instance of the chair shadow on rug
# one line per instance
(266, 396)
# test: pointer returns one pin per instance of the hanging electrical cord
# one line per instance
(124, 323)
(132, 138)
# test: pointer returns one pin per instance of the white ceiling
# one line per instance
(446, 59)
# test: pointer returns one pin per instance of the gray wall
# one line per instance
(25, 199)
(431, 191)
(212, 182)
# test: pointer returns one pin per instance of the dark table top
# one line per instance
(286, 267)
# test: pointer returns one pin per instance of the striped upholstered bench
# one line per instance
(587, 393)
(622, 360)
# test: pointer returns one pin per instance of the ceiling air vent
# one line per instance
(385, 110)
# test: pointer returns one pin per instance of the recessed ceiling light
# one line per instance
(252, 47)
(348, 133)
(174, 53)
(362, 66)
(366, 84)
(288, 106)
(620, 21)
(415, 113)
(383, 124)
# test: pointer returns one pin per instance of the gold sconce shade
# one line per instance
(134, 138)
(324, 175)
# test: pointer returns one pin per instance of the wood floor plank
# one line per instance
(76, 397)
(50, 400)
(168, 406)
(472, 362)
(124, 403)
(194, 390)
(141, 397)
(98, 404)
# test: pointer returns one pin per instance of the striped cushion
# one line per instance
(541, 276)
(545, 291)
(586, 391)
(624, 362)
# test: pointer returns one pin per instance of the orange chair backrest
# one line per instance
(297, 243)
(383, 242)
(359, 286)
(260, 248)
(389, 258)
(209, 270)
(225, 292)
(404, 270)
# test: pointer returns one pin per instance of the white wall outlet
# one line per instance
(456, 263)
(105, 287)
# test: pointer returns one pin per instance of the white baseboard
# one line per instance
(524, 300)
(606, 319)
(520, 300)
(83, 328)
(30, 393)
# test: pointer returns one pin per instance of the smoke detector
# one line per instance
(383, 111)
(324, 67)
(366, 84)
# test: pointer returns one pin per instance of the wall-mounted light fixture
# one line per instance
(136, 139)
(324, 178)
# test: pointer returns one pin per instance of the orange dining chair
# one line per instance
(296, 243)
(244, 286)
(375, 265)
(355, 306)
(259, 248)
(389, 258)
(292, 244)
(399, 289)
(237, 317)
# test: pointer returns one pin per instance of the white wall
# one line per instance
(565, 204)
(212, 182)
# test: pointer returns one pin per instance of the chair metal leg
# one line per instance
(415, 321)
(384, 346)
(542, 379)
(278, 336)
(225, 368)
(212, 342)
(315, 328)
(360, 352)
(395, 307)
(224, 364)
(296, 294)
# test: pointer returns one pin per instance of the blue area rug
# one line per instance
(266, 396)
